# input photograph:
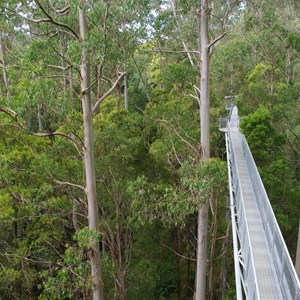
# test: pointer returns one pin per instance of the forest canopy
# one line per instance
(101, 144)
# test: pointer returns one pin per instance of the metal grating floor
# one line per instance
(268, 284)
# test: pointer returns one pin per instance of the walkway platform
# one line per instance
(259, 272)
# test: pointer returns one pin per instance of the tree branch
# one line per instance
(178, 134)
(51, 20)
(177, 253)
(8, 124)
(179, 30)
(173, 147)
(216, 40)
(197, 94)
(53, 134)
(70, 31)
(10, 113)
(289, 125)
(61, 11)
(59, 67)
(69, 184)
(293, 147)
(17, 124)
(169, 51)
(108, 92)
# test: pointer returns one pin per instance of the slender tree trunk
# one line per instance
(179, 267)
(3, 64)
(74, 215)
(201, 252)
(205, 152)
(288, 65)
(63, 64)
(5, 75)
(71, 87)
(97, 83)
(120, 262)
(214, 209)
(272, 82)
(40, 117)
(93, 213)
(204, 84)
(126, 104)
(118, 93)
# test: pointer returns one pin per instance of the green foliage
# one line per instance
(202, 178)
(178, 75)
(136, 287)
(199, 181)
(34, 214)
(60, 282)
(149, 201)
(283, 191)
(149, 179)
(85, 237)
(262, 137)
(6, 206)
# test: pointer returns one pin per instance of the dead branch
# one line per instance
(69, 184)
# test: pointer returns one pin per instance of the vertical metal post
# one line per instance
(297, 264)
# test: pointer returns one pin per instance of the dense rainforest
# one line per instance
(100, 141)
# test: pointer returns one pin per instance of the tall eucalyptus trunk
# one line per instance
(5, 75)
(205, 153)
(90, 180)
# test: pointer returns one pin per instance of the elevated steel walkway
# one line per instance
(263, 267)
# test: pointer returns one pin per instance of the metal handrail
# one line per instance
(286, 273)
(245, 268)
(237, 272)
(243, 225)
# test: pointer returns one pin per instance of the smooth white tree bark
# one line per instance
(205, 152)
(4, 68)
(90, 179)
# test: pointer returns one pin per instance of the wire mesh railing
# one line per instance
(287, 276)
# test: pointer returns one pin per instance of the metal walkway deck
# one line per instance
(264, 267)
